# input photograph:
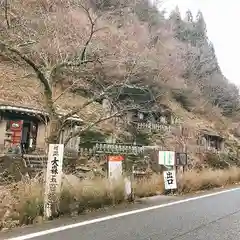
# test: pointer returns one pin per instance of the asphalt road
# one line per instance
(215, 217)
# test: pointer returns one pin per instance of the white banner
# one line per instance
(53, 177)
(166, 158)
(170, 181)
(114, 169)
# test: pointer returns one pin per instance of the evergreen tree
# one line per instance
(175, 16)
(149, 13)
(189, 16)
(178, 24)
(200, 26)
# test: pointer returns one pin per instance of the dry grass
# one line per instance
(149, 187)
(85, 195)
(22, 203)
(193, 181)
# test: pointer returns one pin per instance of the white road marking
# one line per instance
(97, 220)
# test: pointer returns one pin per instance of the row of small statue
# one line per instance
(153, 126)
(113, 148)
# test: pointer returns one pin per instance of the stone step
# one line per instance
(36, 162)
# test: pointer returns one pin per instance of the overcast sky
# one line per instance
(223, 30)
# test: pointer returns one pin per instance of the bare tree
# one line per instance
(6, 7)
(64, 54)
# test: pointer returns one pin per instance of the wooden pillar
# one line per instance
(222, 145)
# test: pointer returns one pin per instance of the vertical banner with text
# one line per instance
(53, 178)
(170, 181)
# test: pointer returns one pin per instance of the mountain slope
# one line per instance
(134, 43)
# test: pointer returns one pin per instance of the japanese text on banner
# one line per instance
(170, 181)
(53, 177)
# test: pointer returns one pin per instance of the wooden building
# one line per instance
(144, 111)
(25, 128)
(211, 141)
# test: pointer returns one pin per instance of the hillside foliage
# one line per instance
(132, 43)
(202, 65)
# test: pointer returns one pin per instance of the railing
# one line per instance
(210, 149)
(153, 126)
(35, 162)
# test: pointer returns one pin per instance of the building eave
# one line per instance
(35, 112)
(210, 132)
(22, 109)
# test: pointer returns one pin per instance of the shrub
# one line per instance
(149, 186)
(90, 194)
(30, 205)
(184, 97)
(193, 181)
(21, 203)
(215, 161)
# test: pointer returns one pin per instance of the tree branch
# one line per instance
(70, 64)
(75, 111)
(63, 92)
(6, 13)
(29, 62)
(102, 119)
(92, 31)
(82, 59)
(97, 96)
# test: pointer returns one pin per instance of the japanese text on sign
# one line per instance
(170, 180)
(53, 177)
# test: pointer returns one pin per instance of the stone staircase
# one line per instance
(36, 163)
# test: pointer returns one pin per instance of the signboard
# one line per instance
(115, 158)
(53, 177)
(16, 129)
(181, 159)
(166, 158)
(115, 167)
(170, 181)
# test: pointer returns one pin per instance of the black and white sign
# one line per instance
(53, 177)
(170, 181)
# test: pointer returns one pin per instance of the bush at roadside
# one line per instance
(193, 181)
(22, 203)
